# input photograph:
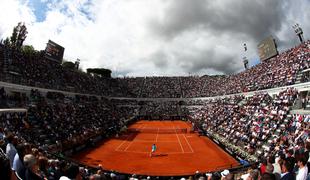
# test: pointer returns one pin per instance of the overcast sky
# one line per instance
(158, 37)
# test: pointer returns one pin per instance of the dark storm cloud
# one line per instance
(197, 62)
(160, 59)
(254, 19)
(240, 20)
(295, 12)
(208, 60)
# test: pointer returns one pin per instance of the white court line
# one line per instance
(178, 138)
(128, 145)
(189, 145)
(132, 140)
(146, 152)
(116, 149)
(157, 134)
(123, 142)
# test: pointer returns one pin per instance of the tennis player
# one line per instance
(153, 150)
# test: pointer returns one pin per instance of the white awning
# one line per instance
(13, 110)
(306, 70)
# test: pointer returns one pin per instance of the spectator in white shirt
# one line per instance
(303, 169)
(10, 148)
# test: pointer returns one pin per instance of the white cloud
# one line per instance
(116, 34)
(12, 12)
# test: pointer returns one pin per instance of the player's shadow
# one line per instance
(160, 155)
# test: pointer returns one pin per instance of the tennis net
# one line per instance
(158, 130)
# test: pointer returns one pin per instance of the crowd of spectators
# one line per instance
(133, 86)
(192, 86)
(162, 87)
(31, 163)
(63, 124)
(55, 124)
(160, 108)
(35, 70)
(259, 129)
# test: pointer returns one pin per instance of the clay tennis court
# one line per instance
(179, 152)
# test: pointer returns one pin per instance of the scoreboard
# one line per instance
(267, 49)
(54, 51)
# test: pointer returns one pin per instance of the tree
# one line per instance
(13, 38)
(19, 35)
(68, 65)
(29, 50)
(6, 42)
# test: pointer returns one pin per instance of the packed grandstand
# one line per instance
(49, 112)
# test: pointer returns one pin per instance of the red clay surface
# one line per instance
(177, 153)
